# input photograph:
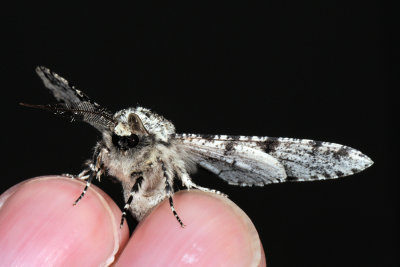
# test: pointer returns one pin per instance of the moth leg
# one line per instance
(171, 203)
(72, 176)
(169, 192)
(95, 170)
(205, 189)
(135, 189)
(189, 184)
(84, 175)
(96, 159)
(88, 183)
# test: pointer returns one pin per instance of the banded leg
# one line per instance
(169, 192)
(135, 189)
(83, 175)
(88, 183)
(94, 171)
(186, 181)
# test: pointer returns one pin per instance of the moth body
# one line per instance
(141, 149)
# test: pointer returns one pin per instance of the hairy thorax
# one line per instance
(146, 162)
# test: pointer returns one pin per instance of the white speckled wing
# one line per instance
(262, 160)
(74, 103)
(237, 164)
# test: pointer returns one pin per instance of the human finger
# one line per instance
(39, 225)
(217, 232)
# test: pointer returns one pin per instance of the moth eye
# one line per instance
(125, 142)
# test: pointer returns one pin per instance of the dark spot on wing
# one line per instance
(235, 137)
(291, 179)
(270, 145)
(315, 145)
(354, 170)
(326, 174)
(207, 136)
(339, 173)
(229, 147)
(341, 153)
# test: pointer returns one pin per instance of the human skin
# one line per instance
(39, 226)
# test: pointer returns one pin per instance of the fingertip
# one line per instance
(216, 232)
(40, 226)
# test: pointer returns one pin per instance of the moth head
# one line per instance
(128, 131)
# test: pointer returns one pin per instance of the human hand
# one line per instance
(39, 226)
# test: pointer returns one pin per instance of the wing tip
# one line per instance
(349, 161)
(364, 163)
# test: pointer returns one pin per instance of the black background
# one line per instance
(291, 69)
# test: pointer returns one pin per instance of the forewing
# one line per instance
(300, 159)
(235, 163)
(73, 102)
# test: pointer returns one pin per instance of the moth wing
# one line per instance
(306, 159)
(60, 87)
(73, 102)
(299, 159)
(237, 164)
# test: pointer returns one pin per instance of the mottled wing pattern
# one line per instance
(262, 160)
(235, 163)
(74, 103)
(312, 160)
